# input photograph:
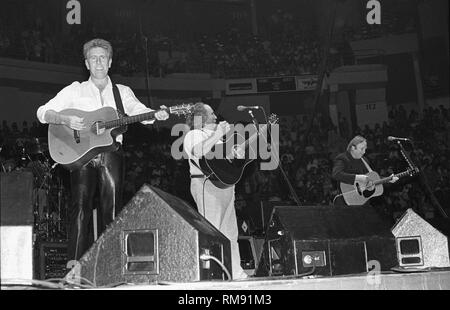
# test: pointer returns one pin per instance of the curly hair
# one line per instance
(192, 120)
(97, 43)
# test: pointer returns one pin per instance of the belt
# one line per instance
(197, 176)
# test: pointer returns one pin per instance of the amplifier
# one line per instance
(52, 260)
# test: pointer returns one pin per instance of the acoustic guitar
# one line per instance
(227, 171)
(358, 194)
(74, 148)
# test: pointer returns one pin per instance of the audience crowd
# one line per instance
(283, 47)
(232, 53)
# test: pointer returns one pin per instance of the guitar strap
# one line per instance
(195, 164)
(118, 101)
(367, 165)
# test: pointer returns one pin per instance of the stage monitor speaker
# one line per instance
(16, 208)
(419, 244)
(326, 240)
(261, 213)
(156, 237)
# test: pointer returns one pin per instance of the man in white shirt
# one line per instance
(106, 170)
(215, 204)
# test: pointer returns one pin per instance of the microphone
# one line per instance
(391, 138)
(243, 107)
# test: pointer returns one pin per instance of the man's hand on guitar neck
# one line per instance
(162, 114)
(394, 178)
(71, 121)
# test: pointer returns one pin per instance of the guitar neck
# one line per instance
(389, 178)
(253, 137)
(129, 120)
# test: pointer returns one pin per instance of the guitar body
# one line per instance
(357, 194)
(224, 173)
(73, 149)
(72, 154)
(222, 167)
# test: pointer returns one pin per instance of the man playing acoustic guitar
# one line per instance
(106, 170)
(352, 169)
(213, 203)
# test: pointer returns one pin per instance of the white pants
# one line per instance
(217, 206)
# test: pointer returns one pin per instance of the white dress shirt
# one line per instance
(191, 139)
(87, 97)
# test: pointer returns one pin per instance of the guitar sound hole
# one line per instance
(358, 189)
(368, 193)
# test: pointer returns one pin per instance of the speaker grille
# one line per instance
(140, 255)
(409, 251)
(409, 246)
(411, 261)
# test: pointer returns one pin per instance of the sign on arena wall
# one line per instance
(371, 113)
(307, 82)
(270, 84)
(240, 86)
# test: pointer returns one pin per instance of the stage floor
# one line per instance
(430, 280)
(438, 279)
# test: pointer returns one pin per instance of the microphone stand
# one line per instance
(254, 120)
(3, 167)
(144, 42)
(147, 73)
(406, 157)
(291, 188)
(423, 180)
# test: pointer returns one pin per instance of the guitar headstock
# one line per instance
(413, 171)
(273, 119)
(181, 109)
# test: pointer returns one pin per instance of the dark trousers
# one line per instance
(105, 172)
